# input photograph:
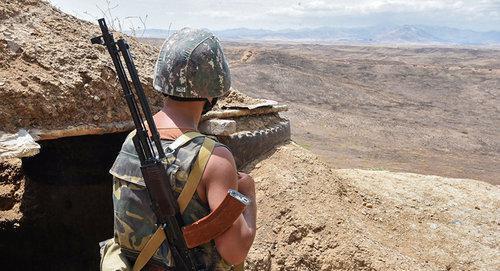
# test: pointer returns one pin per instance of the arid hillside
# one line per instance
(424, 110)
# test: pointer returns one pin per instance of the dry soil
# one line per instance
(422, 110)
(312, 217)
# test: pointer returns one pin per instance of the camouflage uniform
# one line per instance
(191, 65)
(133, 217)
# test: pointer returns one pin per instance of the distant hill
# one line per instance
(406, 34)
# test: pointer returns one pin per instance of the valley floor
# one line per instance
(423, 110)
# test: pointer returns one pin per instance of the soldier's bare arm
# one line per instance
(221, 175)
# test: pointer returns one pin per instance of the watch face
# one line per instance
(240, 197)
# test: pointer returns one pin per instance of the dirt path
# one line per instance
(312, 217)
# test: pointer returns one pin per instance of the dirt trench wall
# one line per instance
(52, 77)
(311, 217)
(11, 193)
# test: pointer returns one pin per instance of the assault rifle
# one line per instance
(151, 155)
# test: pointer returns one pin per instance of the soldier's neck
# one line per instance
(176, 114)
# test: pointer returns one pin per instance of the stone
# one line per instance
(218, 127)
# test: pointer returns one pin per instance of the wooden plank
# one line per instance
(234, 113)
(266, 103)
(70, 131)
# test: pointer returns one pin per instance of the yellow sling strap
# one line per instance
(195, 174)
(183, 139)
(149, 249)
(184, 198)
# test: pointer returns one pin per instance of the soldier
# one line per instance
(191, 72)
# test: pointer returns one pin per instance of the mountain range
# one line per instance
(406, 34)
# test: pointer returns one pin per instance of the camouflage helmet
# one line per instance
(191, 64)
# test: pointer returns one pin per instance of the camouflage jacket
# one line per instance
(134, 220)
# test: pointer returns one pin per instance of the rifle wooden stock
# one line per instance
(217, 222)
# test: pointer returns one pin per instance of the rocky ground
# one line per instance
(11, 192)
(423, 110)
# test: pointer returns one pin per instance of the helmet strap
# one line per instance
(209, 105)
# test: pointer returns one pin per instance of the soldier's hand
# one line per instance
(246, 185)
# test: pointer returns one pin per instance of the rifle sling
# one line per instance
(149, 249)
(183, 139)
(195, 174)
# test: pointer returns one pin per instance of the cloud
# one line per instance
(224, 14)
(367, 7)
(468, 14)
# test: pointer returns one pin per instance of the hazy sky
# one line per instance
(480, 15)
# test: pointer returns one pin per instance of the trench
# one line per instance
(67, 206)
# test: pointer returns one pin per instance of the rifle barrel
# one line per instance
(142, 148)
(129, 62)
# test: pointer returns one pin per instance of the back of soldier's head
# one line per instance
(192, 66)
